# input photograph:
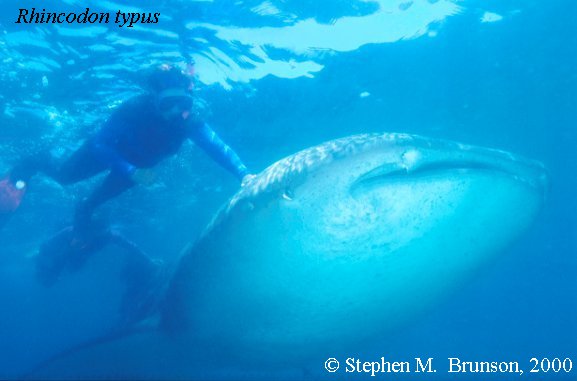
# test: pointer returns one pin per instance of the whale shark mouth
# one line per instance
(528, 173)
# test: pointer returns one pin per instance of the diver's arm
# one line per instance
(220, 152)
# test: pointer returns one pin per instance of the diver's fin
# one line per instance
(11, 193)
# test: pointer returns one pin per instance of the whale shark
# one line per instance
(326, 250)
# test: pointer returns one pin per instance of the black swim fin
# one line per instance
(11, 193)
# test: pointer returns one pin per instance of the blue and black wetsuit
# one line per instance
(136, 136)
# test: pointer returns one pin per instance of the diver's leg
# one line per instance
(29, 166)
(81, 165)
(113, 185)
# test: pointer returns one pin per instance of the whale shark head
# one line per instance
(329, 250)
(341, 242)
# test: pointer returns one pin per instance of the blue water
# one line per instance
(505, 79)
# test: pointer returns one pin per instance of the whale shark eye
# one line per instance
(288, 194)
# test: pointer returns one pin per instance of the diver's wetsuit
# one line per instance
(135, 136)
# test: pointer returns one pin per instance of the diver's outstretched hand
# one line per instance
(247, 179)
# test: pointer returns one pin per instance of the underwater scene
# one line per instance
(288, 190)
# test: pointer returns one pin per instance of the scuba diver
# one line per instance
(138, 135)
(69, 250)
